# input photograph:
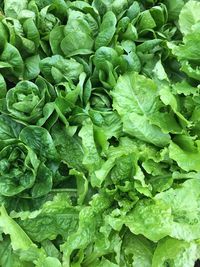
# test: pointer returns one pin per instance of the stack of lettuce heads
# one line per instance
(99, 133)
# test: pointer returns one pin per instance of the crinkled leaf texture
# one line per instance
(99, 133)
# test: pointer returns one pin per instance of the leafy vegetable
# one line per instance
(99, 133)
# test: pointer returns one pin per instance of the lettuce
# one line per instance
(99, 133)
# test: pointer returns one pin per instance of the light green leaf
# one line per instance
(138, 249)
(55, 217)
(139, 126)
(139, 96)
(91, 158)
(151, 218)
(189, 16)
(13, 7)
(19, 238)
(186, 153)
(176, 252)
(184, 202)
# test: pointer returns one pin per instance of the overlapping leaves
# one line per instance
(99, 133)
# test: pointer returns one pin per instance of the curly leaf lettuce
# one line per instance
(99, 133)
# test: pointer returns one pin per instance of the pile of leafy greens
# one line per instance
(99, 133)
